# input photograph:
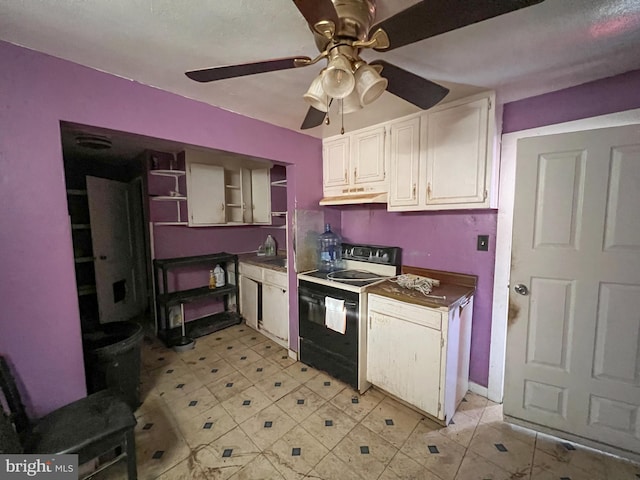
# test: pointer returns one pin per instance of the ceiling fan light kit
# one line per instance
(351, 103)
(342, 28)
(370, 84)
(315, 96)
(338, 80)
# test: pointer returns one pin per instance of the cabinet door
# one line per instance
(238, 195)
(403, 358)
(206, 194)
(261, 195)
(275, 311)
(247, 195)
(249, 301)
(367, 156)
(404, 160)
(335, 162)
(457, 154)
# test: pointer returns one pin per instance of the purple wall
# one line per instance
(441, 241)
(608, 95)
(40, 326)
(183, 241)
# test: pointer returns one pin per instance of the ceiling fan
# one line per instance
(343, 28)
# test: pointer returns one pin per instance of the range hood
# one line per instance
(353, 199)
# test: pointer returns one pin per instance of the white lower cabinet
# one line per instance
(264, 301)
(275, 309)
(419, 355)
(249, 300)
(404, 360)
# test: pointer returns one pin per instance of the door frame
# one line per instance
(509, 151)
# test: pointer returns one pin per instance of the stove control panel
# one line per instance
(372, 253)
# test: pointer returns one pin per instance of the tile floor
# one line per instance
(238, 407)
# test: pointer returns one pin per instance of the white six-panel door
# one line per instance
(573, 340)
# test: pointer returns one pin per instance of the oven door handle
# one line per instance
(319, 300)
(309, 298)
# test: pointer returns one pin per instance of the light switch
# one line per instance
(483, 243)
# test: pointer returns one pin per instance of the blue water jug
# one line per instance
(329, 250)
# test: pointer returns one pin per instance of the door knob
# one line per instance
(521, 289)
(103, 257)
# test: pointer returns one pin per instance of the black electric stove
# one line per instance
(341, 355)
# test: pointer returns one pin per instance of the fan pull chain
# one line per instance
(342, 116)
(326, 119)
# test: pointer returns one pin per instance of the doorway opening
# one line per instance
(105, 177)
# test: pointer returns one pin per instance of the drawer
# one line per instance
(251, 271)
(278, 279)
(405, 311)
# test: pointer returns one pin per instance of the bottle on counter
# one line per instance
(212, 279)
(270, 246)
(329, 250)
(218, 273)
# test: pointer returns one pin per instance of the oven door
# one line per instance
(321, 347)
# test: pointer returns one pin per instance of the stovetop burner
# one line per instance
(357, 278)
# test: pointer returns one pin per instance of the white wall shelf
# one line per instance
(168, 198)
(167, 173)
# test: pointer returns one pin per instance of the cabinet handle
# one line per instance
(355, 173)
(428, 190)
(413, 194)
(222, 206)
(345, 175)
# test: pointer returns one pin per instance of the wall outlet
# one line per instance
(483, 243)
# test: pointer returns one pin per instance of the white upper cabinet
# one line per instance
(206, 200)
(226, 195)
(453, 167)
(404, 163)
(261, 195)
(457, 154)
(368, 157)
(354, 167)
(440, 159)
(335, 167)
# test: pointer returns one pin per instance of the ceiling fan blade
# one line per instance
(433, 17)
(232, 71)
(316, 10)
(410, 87)
(313, 118)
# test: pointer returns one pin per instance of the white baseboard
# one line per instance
(478, 389)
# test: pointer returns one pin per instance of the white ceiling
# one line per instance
(550, 46)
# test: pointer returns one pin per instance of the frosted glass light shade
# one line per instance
(337, 79)
(369, 84)
(315, 96)
(351, 102)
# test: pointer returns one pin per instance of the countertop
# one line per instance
(277, 263)
(455, 295)
(456, 288)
